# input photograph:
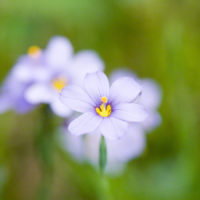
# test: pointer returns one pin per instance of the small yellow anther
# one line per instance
(34, 51)
(104, 99)
(104, 111)
(59, 83)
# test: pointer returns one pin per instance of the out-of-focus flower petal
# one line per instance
(124, 90)
(21, 105)
(96, 85)
(92, 142)
(39, 93)
(85, 62)
(129, 146)
(58, 52)
(119, 73)
(75, 146)
(27, 72)
(12, 97)
(113, 128)
(76, 98)
(59, 108)
(151, 94)
(22, 72)
(86, 123)
(5, 104)
(130, 112)
(152, 121)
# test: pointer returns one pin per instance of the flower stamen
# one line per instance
(104, 110)
(34, 51)
(104, 99)
(59, 83)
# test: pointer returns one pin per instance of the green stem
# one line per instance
(105, 193)
(102, 154)
(45, 148)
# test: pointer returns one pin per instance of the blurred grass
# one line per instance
(156, 39)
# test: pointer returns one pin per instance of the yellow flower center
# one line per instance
(104, 110)
(59, 83)
(34, 51)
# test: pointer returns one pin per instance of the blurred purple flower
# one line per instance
(28, 69)
(108, 109)
(64, 69)
(39, 76)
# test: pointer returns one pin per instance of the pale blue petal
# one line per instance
(113, 128)
(26, 70)
(39, 93)
(130, 112)
(128, 147)
(120, 73)
(76, 98)
(74, 145)
(58, 52)
(96, 85)
(124, 90)
(60, 109)
(153, 120)
(86, 123)
(5, 104)
(151, 94)
(85, 62)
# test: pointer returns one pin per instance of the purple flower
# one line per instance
(28, 69)
(132, 144)
(104, 108)
(39, 76)
(64, 69)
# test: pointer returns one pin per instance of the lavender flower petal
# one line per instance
(59, 108)
(96, 85)
(113, 128)
(153, 120)
(130, 112)
(58, 52)
(124, 90)
(39, 93)
(5, 103)
(86, 123)
(76, 98)
(85, 62)
(151, 94)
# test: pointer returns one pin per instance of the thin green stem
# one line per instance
(102, 155)
(45, 148)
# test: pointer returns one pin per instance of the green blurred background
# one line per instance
(159, 39)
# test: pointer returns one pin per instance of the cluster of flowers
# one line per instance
(122, 110)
